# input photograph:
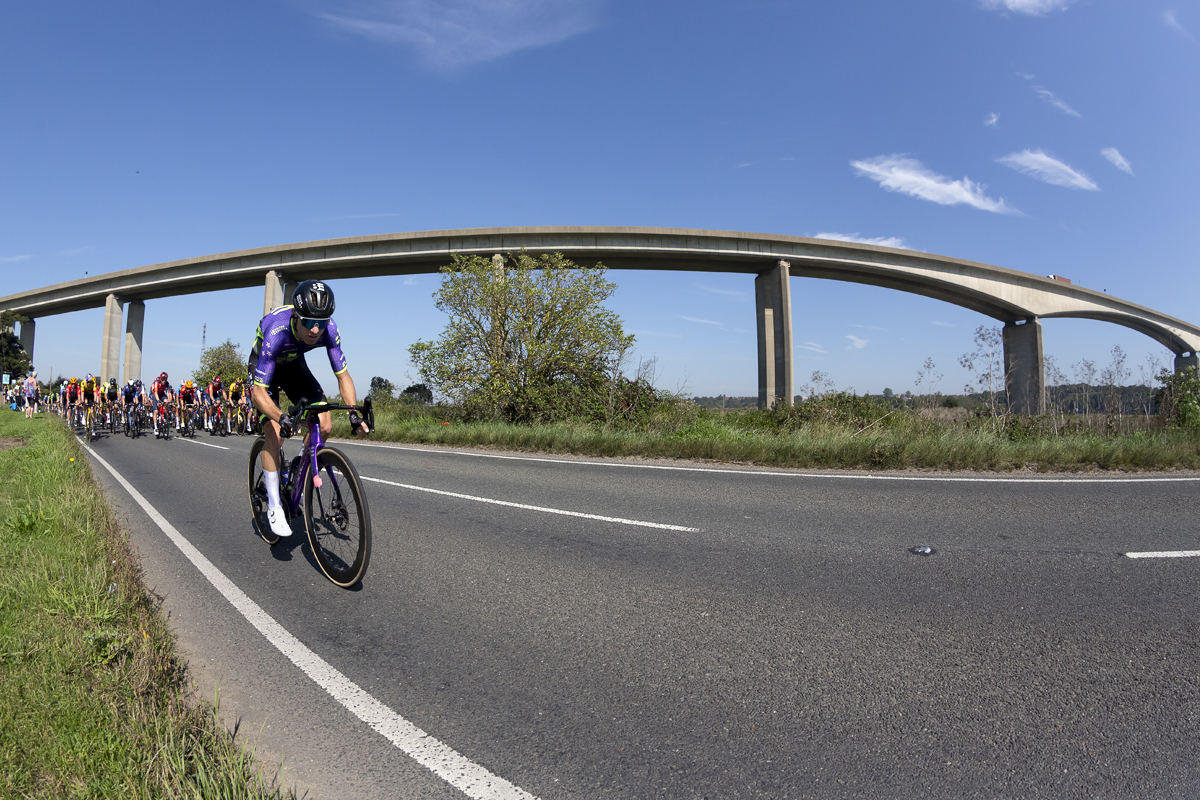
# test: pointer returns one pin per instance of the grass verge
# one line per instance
(905, 440)
(93, 697)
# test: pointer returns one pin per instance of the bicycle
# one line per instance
(237, 418)
(323, 485)
(189, 421)
(164, 415)
(90, 423)
(218, 420)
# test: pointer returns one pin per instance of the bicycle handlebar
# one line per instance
(305, 408)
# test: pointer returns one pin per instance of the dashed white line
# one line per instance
(448, 764)
(206, 444)
(620, 520)
(1165, 554)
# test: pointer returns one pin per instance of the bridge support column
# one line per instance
(275, 292)
(773, 299)
(1182, 361)
(110, 349)
(133, 339)
(27, 328)
(1025, 367)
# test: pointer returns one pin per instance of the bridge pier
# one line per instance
(773, 301)
(27, 329)
(1182, 361)
(134, 319)
(1025, 367)
(110, 348)
(278, 291)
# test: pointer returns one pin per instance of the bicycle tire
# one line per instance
(337, 519)
(258, 493)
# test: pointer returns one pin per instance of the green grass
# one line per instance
(92, 693)
(903, 440)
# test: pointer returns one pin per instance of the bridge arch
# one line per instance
(1017, 299)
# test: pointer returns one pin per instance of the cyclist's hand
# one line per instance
(357, 425)
(285, 426)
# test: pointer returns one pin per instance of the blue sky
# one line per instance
(1050, 136)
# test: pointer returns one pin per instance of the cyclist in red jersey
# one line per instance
(187, 397)
(160, 394)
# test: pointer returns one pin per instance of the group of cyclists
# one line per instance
(160, 406)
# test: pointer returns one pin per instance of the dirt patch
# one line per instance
(8, 444)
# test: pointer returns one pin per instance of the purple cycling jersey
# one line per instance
(277, 345)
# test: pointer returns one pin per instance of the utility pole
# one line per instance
(203, 339)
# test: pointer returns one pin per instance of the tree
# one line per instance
(381, 390)
(225, 360)
(520, 327)
(928, 379)
(418, 393)
(14, 361)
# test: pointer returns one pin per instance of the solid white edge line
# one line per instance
(829, 476)
(1165, 554)
(448, 764)
(543, 509)
(206, 444)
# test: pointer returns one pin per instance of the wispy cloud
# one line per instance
(727, 292)
(1173, 22)
(701, 321)
(813, 346)
(14, 259)
(1116, 159)
(1037, 164)
(448, 34)
(899, 173)
(881, 241)
(1054, 100)
(941, 324)
(1032, 7)
(993, 120)
(855, 342)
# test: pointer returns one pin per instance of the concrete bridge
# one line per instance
(1017, 299)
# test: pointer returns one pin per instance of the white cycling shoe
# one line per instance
(279, 524)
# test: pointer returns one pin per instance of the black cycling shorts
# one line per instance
(293, 378)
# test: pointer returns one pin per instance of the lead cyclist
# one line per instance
(277, 363)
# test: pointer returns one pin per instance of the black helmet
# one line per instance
(313, 300)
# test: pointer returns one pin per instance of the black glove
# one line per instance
(355, 421)
(285, 426)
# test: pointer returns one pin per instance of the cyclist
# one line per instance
(277, 364)
(88, 390)
(216, 397)
(236, 397)
(127, 401)
(111, 395)
(64, 397)
(160, 394)
(187, 397)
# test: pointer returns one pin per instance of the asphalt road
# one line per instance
(790, 646)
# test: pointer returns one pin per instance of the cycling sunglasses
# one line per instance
(309, 324)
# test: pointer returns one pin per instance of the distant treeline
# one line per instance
(1078, 398)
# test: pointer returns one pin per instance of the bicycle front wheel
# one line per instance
(258, 493)
(337, 519)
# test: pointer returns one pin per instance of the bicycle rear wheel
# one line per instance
(337, 519)
(258, 493)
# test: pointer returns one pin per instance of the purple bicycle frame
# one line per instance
(308, 463)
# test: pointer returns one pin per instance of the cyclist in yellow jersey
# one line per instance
(237, 393)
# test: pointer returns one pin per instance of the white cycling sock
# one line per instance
(272, 481)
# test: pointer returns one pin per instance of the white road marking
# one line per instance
(620, 520)
(455, 769)
(1165, 554)
(831, 476)
(206, 444)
